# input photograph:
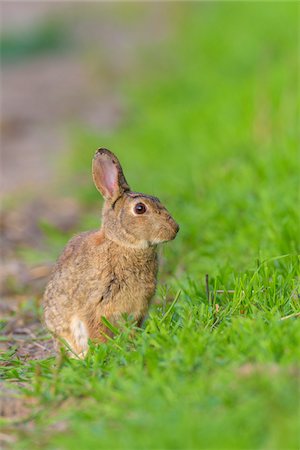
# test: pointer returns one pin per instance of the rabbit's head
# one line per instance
(130, 218)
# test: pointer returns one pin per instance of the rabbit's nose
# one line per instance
(174, 225)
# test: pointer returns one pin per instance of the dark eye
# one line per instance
(140, 208)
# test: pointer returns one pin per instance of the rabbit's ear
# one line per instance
(108, 175)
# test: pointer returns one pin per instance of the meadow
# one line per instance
(210, 129)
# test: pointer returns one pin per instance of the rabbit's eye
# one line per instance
(140, 208)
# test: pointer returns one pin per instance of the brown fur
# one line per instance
(110, 272)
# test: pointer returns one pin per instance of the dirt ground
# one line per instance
(42, 95)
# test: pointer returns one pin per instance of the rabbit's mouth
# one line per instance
(166, 233)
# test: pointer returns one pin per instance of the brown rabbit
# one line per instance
(109, 272)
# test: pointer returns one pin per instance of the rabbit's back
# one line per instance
(71, 277)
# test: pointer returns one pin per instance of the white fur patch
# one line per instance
(80, 333)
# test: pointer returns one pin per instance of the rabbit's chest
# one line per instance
(128, 284)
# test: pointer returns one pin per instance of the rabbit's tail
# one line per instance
(79, 335)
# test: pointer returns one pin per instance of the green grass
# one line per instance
(211, 129)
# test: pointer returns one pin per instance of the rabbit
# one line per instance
(110, 272)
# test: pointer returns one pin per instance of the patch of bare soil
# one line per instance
(42, 94)
(26, 339)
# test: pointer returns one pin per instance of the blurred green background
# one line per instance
(200, 101)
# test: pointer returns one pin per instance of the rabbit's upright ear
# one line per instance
(108, 175)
